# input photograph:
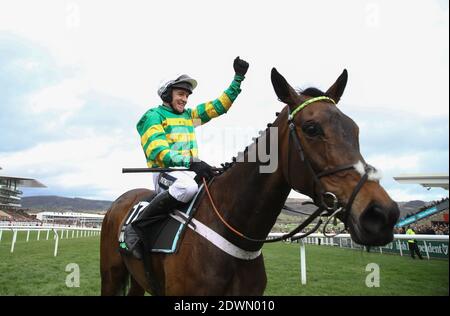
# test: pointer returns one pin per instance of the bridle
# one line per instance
(323, 209)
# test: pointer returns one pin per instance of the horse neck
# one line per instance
(250, 200)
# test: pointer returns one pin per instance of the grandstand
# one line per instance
(10, 197)
(11, 212)
(431, 180)
(435, 213)
(425, 212)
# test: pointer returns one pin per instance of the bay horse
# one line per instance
(318, 151)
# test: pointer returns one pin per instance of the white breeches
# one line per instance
(181, 184)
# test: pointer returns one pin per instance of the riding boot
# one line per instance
(159, 206)
(158, 209)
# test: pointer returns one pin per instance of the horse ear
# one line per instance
(283, 90)
(337, 89)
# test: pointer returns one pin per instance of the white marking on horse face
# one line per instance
(359, 166)
(374, 173)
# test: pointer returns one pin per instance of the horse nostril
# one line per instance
(376, 219)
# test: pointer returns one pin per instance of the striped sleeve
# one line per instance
(204, 112)
(155, 145)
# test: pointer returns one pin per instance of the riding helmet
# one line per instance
(182, 82)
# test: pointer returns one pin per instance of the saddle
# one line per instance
(162, 235)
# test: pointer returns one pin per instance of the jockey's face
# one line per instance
(179, 100)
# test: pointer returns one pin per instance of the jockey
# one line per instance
(168, 140)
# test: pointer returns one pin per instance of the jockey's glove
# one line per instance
(240, 66)
(202, 169)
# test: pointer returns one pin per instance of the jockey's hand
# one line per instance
(202, 169)
(240, 66)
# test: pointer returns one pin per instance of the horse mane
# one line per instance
(265, 133)
(310, 92)
(228, 165)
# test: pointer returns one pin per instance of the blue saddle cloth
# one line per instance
(165, 235)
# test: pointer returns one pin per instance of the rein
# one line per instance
(323, 209)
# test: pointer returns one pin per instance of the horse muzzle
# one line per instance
(375, 225)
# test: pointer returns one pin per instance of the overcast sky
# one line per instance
(76, 76)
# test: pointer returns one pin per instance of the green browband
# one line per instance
(308, 102)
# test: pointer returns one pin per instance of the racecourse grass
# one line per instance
(33, 270)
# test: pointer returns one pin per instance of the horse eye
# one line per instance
(312, 129)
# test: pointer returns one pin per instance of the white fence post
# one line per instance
(56, 243)
(39, 232)
(400, 247)
(13, 240)
(1, 233)
(302, 262)
(28, 235)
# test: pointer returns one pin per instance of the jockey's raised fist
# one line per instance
(240, 66)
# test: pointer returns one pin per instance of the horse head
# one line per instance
(320, 154)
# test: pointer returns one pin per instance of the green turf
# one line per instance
(334, 271)
(33, 270)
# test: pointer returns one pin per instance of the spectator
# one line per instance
(412, 244)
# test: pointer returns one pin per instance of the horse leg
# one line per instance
(114, 279)
(250, 279)
(135, 288)
(113, 272)
(144, 282)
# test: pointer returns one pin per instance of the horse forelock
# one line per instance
(312, 92)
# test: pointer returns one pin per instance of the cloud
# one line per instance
(26, 69)
(62, 97)
(391, 131)
(85, 166)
